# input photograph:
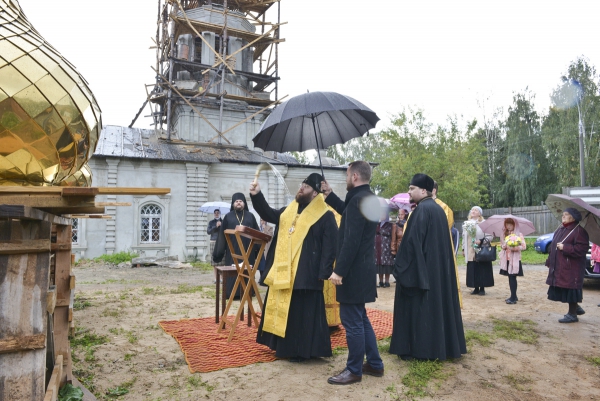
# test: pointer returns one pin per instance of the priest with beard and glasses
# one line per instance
(427, 319)
(301, 257)
(240, 215)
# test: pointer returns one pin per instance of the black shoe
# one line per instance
(297, 359)
(568, 319)
(580, 311)
(475, 292)
(386, 285)
(368, 370)
(380, 284)
(345, 377)
(482, 292)
(510, 301)
(405, 357)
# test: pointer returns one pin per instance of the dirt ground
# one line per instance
(126, 305)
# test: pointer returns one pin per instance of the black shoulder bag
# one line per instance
(487, 252)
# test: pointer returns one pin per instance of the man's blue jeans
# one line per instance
(360, 338)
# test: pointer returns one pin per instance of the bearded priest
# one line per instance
(301, 257)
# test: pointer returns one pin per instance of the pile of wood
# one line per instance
(37, 284)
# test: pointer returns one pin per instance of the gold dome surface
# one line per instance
(49, 118)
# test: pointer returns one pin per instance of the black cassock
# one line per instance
(427, 318)
(221, 251)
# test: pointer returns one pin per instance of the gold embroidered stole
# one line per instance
(293, 229)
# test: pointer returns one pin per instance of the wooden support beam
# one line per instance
(51, 299)
(72, 282)
(14, 247)
(54, 384)
(104, 204)
(22, 343)
(23, 212)
(60, 247)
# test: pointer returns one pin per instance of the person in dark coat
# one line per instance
(305, 333)
(239, 215)
(427, 319)
(354, 271)
(384, 259)
(566, 262)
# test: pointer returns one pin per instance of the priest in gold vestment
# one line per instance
(301, 257)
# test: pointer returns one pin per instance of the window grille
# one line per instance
(75, 231)
(150, 223)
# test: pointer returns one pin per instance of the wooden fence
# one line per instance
(541, 217)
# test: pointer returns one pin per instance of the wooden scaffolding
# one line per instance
(174, 21)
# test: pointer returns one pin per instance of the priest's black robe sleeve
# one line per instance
(354, 224)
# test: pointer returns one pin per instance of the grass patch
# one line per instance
(594, 360)
(132, 337)
(153, 291)
(484, 339)
(81, 303)
(117, 258)
(383, 345)
(196, 382)
(338, 351)
(203, 266)
(121, 389)
(187, 289)
(420, 373)
(87, 344)
(128, 357)
(108, 312)
(519, 382)
(530, 256)
(523, 330)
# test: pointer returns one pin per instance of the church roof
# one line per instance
(137, 143)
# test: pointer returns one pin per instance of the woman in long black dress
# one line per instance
(479, 274)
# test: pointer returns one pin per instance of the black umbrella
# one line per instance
(590, 216)
(314, 120)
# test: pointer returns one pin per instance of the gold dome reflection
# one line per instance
(49, 118)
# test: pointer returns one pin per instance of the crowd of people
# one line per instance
(308, 249)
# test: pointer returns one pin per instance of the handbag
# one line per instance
(487, 252)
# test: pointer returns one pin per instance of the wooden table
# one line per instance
(223, 272)
(244, 271)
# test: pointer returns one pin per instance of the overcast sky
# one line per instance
(439, 55)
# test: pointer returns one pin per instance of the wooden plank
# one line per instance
(71, 303)
(22, 343)
(60, 247)
(104, 204)
(47, 201)
(51, 299)
(54, 384)
(16, 247)
(30, 190)
(62, 280)
(72, 282)
(63, 301)
(133, 191)
(29, 213)
(72, 327)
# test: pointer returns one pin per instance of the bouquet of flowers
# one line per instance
(470, 226)
(512, 241)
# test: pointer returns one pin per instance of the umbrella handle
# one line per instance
(312, 117)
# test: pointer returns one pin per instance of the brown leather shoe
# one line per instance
(345, 377)
(368, 370)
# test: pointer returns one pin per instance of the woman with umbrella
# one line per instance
(566, 263)
(513, 242)
(479, 274)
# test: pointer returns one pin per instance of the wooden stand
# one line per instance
(244, 271)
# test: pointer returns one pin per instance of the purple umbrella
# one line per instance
(495, 225)
(402, 200)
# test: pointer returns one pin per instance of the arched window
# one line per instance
(150, 229)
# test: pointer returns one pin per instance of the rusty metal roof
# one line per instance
(117, 141)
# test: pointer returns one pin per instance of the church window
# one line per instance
(150, 230)
(75, 231)
(198, 50)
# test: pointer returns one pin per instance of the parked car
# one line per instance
(542, 243)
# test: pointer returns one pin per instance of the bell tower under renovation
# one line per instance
(216, 70)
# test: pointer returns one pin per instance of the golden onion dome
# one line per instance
(49, 118)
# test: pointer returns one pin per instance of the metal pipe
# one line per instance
(224, 54)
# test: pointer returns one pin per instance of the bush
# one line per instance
(118, 257)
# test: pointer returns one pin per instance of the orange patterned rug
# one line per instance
(206, 350)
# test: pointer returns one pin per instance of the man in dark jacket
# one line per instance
(355, 271)
(213, 229)
(301, 256)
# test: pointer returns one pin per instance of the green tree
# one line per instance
(453, 157)
(560, 127)
(527, 173)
